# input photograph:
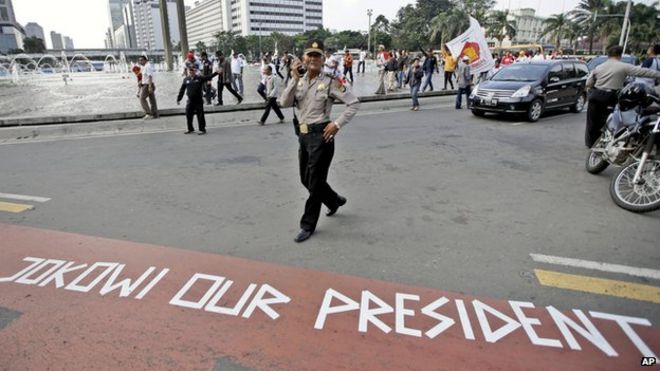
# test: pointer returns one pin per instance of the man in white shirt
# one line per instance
(236, 68)
(148, 89)
(272, 92)
(362, 61)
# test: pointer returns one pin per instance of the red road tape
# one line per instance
(96, 303)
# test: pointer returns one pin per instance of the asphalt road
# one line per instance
(436, 198)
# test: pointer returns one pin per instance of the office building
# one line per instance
(33, 29)
(203, 21)
(68, 43)
(115, 18)
(56, 40)
(147, 24)
(290, 17)
(11, 33)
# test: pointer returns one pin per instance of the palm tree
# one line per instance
(447, 25)
(555, 26)
(499, 26)
(573, 33)
(586, 15)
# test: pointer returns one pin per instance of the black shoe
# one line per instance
(303, 235)
(342, 202)
(261, 123)
(189, 132)
(218, 104)
(202, 132)
(240, 100)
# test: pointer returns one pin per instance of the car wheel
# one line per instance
(478, 112)
(579, 104)
(535, 110)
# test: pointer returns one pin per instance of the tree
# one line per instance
(555, 26)
(34, 45)
(225, 41)
(499, 26)
(586, 15)
(573, 32)
(200, 46)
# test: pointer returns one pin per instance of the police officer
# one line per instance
(604, 83)
(193, 85)
(314, 94)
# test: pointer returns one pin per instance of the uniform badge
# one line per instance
(300, 84)
(342, 88)
(315, 45)
(321, 87)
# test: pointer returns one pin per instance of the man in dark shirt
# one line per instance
(207, 69)
(430, 65)
(193, 87)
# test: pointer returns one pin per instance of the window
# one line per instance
(581, 69)
(569, 71)
(4, 15)
(555, 72)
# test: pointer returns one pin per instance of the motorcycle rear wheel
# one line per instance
(638, 198)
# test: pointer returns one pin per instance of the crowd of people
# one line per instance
(397, 70)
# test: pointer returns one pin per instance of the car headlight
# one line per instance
(475, 90)
(522, 92)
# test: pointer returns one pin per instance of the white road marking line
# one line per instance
(521, 123)
(23, 197)
(604, 267)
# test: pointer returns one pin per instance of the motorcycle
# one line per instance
(631, 141)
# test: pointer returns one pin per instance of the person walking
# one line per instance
(430, 66)
(148, 89)
(261, 89)
(449, 67)
(381, 60)
(603, 85)
(207, 70)
(402, 65)
(272, 92)
(362, 61)
(414, 80)
(193, 86)
(225, 78)
(464, 82)
(392, 67)
(348, 65)
(237, 73)
(315, 93)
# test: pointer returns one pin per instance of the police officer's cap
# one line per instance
(314, 47)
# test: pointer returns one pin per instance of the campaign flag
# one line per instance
(473, 44)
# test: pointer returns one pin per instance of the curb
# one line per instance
(131, 115)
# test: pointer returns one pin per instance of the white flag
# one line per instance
(473, 44)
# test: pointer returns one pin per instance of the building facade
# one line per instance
(529, 28)
(33, 29)
(203, 21)
(11, 33)
(56, 40)
(263, 17)
(115, 18)
(147, 24)
(68, 43)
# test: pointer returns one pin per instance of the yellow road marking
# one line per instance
(601, 286)
(14, 208)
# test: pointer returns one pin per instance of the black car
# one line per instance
(532, 88)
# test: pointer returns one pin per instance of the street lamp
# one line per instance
(370, 12)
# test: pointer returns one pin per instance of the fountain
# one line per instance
(52, 67)
(82, 59)
(111, 66)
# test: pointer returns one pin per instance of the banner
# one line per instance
(473, 44)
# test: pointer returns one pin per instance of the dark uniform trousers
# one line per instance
(601, 104)
(192, 109)
(315, 156)
(222, 86)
